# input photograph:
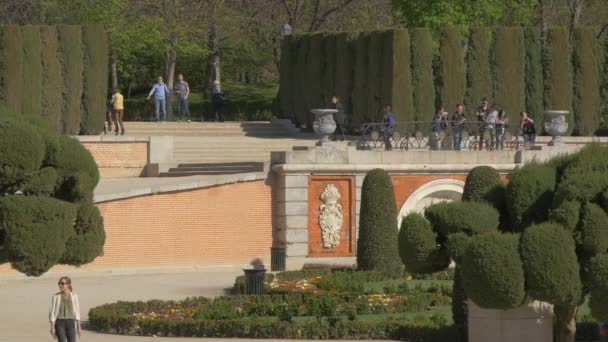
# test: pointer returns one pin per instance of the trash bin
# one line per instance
(277, 259)
(254, 281)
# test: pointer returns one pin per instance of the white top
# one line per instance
(56, 303)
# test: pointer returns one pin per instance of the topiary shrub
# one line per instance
(31, 99)
(509, 69)
(557, 72)
(480, 182)
(468, 217)
(460, 307)
(377, 246)
(52, 82)
(36, 229)
(492, 271)
(550, 263)
(457, 245)
(534, 71)
(95, 47)
(479, 74)
(21, 154)
(587, 99)
(598, 272)
(567, 214)
(11, 67)
(89, 236)
(42, 183)
(76, 170)
(529, 194)
(423, 52)
(418, 246)
(452, 85)
(72, 63)
(593, 230)
(597, 304)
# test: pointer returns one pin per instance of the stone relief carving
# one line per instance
(330, 218)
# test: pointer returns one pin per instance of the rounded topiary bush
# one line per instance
(593, 230)
(598, 272)
(76, 170)
(597, 304)
(377, 246)
(42, 182)
(529, 195)
(36, 229)
(418, 246)
(21, 154)
(567, 214)
(481, 183)
(467, 217)
(551, 265)
(89, 236)
(585, 176)
(457, 245)
(492, 271)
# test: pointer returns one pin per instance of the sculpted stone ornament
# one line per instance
(324, 124)
(556, 125)
(330, 218)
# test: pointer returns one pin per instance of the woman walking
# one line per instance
(64, 312)
(501, 124)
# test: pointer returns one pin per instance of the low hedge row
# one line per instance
(271, 328)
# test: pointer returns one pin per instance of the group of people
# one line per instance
(490, 120)
(160, 91)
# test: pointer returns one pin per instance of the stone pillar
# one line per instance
(292, 210)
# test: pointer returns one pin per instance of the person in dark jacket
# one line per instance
(339, 118)
(388, 118)
(217, 100)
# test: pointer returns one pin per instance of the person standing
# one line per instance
(481, 114)
(388, 118)
(64, 312)
(107, 127)
(118, 109)
(182, 90)
(491, 128)
(160, 91)
(217, 101)
(501, 125)
(438, 127)
(458, 120)
(338, 117)
(528, 129)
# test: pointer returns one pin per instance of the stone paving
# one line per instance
(24, 303)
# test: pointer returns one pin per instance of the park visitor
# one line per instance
(64, 312)
(501, 124)
(388, 118)
(160, 92)
(107, 127)
(490, 127)
(527, 128)
(182, 90)
(438, 127)
(118, 111)
(481, 114)
(458, 120)
(338, 117)
(217, 101)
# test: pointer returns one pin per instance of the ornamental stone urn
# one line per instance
(324, 124)
(556, 125)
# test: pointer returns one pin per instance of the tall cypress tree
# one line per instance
(31, 100)
(479, 75)
(423, 52)
(11, 67)
(586, 104)
(557, 71)
(95, 45)
(534, 71)
(72, 63)
(360, 82)
(452, 79)
(397, 74)
(52, 83)
(509, 70)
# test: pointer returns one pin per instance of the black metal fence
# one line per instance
(427, 135)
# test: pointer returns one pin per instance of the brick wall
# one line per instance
(119, 159)
(405, 186)
(222, 225)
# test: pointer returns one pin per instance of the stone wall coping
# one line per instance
(121, 188)
(305, 169)
(110, 138)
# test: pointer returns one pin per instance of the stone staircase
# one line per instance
(204, 169)
(221, 143)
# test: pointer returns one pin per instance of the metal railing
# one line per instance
(416, 135)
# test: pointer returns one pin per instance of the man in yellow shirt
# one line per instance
(119, 108)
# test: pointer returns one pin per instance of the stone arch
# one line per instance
(441, 190)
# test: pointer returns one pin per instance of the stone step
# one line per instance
(192, 169)
(199, 173)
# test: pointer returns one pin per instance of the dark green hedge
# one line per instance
(509, 60)
(76, 170)
(587, 100)
(72, 63)
(37, 229)
(479, 75)
(300, 72)
(95, 91)
(418, 246)
(480, 184)
(584, 175)
(452, 84)
(343, 78)
(492, 271)
(328, 88)
(52, 82)
(397, 68)
(32, 71)
(374, 77)
(534, 71)
(88, 239)
(468, 217)
(529, 195)
(21, 155)
(12, 67)
(360, 81)
(314, 64)
(286, 79)
(423, 53)
(377, 246)
(551, 265)
(557, 70)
